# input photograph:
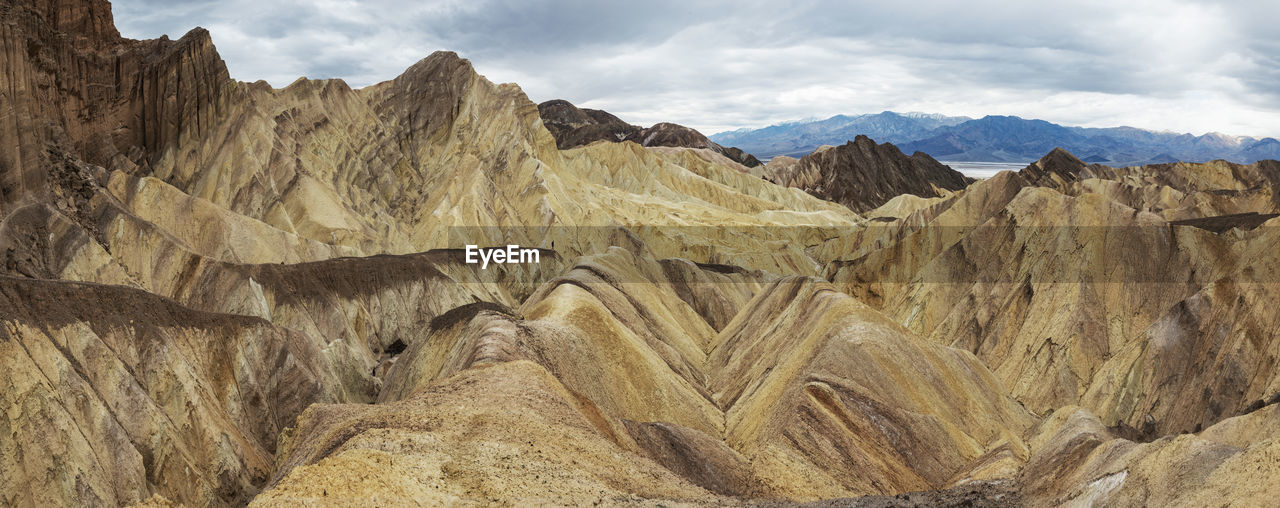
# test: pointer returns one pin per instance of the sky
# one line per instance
(1184, 66)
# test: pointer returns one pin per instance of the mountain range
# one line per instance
(999, 139)
(220, 293)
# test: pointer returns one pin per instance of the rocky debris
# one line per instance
(863, 175)
(574, 127)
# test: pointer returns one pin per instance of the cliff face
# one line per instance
(218, 293)
(863, 175)
(74, 83)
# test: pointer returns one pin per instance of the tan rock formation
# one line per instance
(506, 434)
(111, 394)
(217, 293)
(660, 382)
(1076, 461)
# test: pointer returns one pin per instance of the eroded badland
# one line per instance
(219, 293)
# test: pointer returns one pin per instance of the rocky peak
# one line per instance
(670, 134)
(564, 113)
(1059, 162)
(573, 126)
(741, 156)
(427, 95)
(863, 175)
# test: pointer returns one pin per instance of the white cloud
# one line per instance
(1161, 64)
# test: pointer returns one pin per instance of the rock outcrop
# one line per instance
(95, 93)
(1077, 460)
(863, 175)
(573, 127)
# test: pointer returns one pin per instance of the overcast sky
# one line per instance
(1158, 64)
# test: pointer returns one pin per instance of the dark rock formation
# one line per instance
(573, 126)
(704, 460)
(1057, 167)
(670, 134)
(863, 175)
(742, 157)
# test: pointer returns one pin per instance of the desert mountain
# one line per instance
(797, 139)
(218, 293)
(863, 175)
(572, 127)
(1001, 139)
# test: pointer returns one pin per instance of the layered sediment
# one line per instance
(218, 293)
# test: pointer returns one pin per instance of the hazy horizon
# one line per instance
(848, 114)
(1193, 67)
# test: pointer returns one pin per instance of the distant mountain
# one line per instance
(1001, 139)
(797, 139)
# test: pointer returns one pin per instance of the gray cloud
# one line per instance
(1164, 64)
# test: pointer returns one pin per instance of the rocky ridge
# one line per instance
(864, 175)
(217, 293)
(573, 127)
